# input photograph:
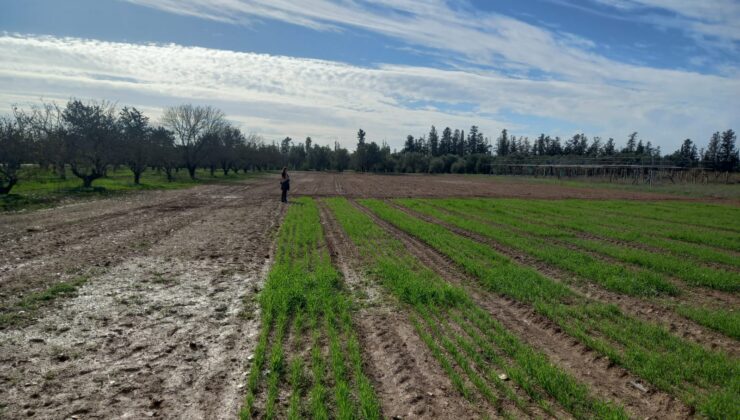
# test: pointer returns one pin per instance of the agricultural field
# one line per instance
(372, 297)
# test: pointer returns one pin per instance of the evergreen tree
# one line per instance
(361, 152)
(433, 141)
(540, 145)
(631, 143)
(445, 144)
(455, 142)
(472, 143)
(710, 159)
(609, 148)
(410, 145)
(502, 144)
(727, 155)
(595, 148)
(640, 149)
(461, 144)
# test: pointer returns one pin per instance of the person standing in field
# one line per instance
(284, 185)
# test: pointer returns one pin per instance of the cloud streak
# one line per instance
(278, 95)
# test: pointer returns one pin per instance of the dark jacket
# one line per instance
(285, 184)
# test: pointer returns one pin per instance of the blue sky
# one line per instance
(668, 69)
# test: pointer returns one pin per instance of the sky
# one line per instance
(668, 69)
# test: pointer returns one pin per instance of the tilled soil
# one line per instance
(160, 328)
(358, 185)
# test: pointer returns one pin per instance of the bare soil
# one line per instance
(358, 185)
(160, 328)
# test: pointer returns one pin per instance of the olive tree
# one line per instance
(136, 141)
(91, 139)
(14, 148)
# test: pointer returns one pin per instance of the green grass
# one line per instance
(558, 214)
(519, 221)
(707, 380)
(460, 212)
(471, 360)
(40, 188)
(722, 320)
(304, 291)
(714, 189)
(613, 277)
(701, 235)
(30, 303)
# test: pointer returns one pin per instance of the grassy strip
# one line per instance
(722, 320)
(613, 277)
(705, 379)
(303, 284)
(424, 291)
(40, 189)
(686, 233)
(721, 218)
(718, 319)
(693, 190)
(33, 301)
(656, 262)
(555, 215)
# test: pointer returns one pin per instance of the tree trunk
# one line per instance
(137, 177)
(61, 171)
(87, 181)
(191, 171)
(5, 189)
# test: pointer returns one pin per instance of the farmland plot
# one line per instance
(357, 301)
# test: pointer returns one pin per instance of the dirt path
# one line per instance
(161, 329)
(408, 380)
(605, 379)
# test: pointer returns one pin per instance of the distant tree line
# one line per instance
(90, 138)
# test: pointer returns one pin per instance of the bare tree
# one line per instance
(45, 125)
(190, 123)
(13, 151)
(164, 154)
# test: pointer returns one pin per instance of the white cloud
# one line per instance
(713, 22)
(278, 96)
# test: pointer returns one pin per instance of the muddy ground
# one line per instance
(164, 319)
(160, 327)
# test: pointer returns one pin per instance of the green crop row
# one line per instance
(659, 263)
(719, 319)
(707, 380)
(470, 345)
(556, 214)
(709, 216)
(677, 231)
(613, 277)
(303, 296)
